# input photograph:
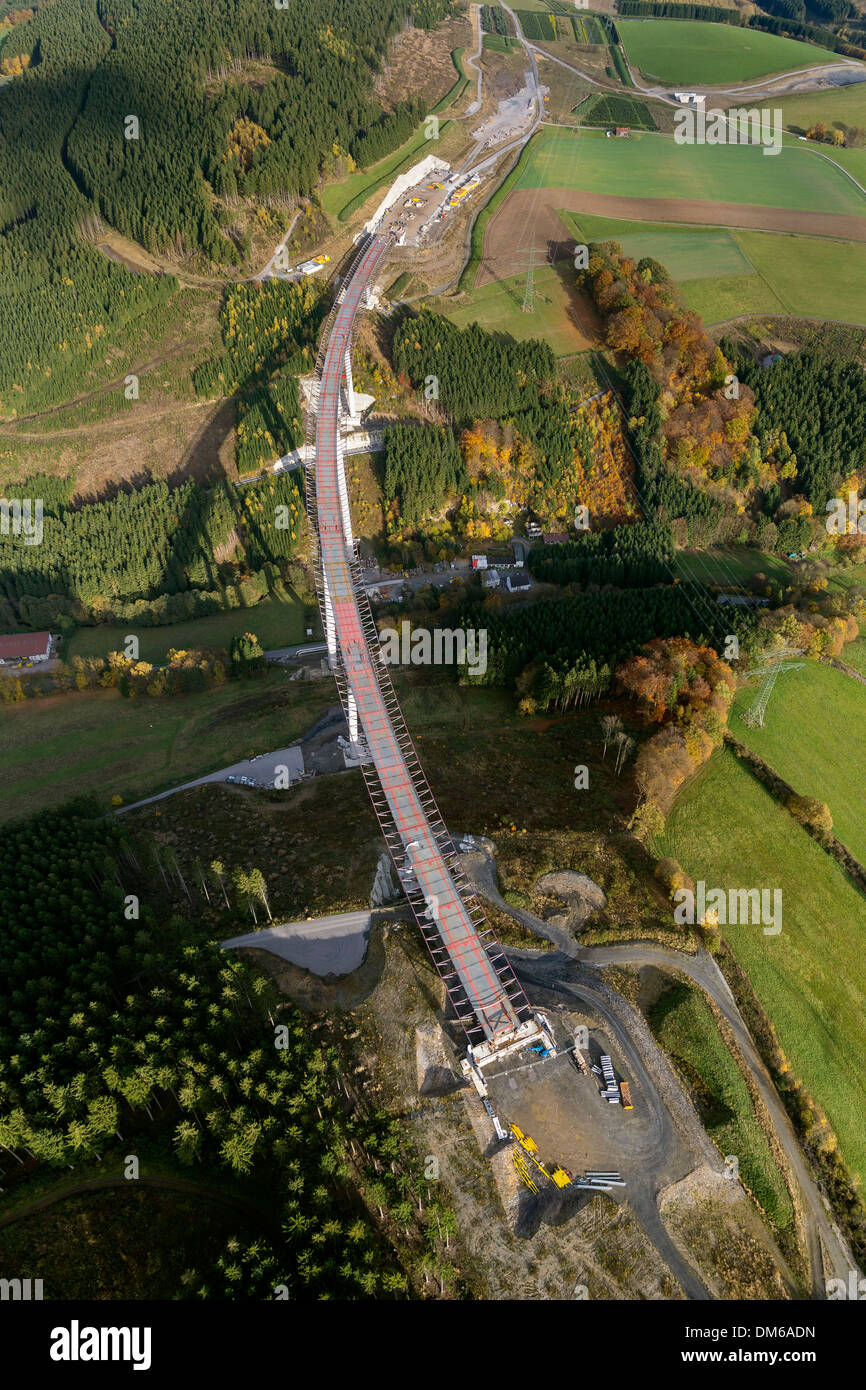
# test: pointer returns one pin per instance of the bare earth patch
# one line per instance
(713, 1220)
(538, 208)
(420, 61)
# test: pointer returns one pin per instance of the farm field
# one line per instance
(275, 624)
(724, 273)
(612, 109)
(654, 167)
(687, 252)
(684, 1025)
(814, 735)
(498, 307)
(691, 51)
(717, 301)
(730, 565)
(99, 742)
(810, 275)
(726, 829)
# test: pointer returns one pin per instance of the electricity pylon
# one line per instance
(769, 670)
(529, 255)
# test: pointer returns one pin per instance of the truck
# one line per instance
(314, 265)
(625, 1092)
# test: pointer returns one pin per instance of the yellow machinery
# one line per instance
(523, 1171)
(557, 1175)
(524, 1140)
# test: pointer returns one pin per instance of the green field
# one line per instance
(724, 273)
(343, 198)
(498, 307)
(811, 978)
(854, 655)
(499, 43)
(729, 296)
(608, 109)
(455, 92)
(811, 275)
(99, 742)
(685, 1026)
(689, 253)
(846, 577)
(838, 105)
(275, 624)
(814, 736)
(653, 166)
(696, 54)
(730, 565)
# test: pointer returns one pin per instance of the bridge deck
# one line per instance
(483, 973)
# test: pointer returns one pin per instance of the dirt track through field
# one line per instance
(532, 212)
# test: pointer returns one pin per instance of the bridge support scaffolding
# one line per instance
(480, 983)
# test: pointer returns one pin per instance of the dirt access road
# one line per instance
(568, 970)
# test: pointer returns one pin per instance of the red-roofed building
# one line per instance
(555, 537)
(25, 646)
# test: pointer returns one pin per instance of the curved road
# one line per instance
(550, 973)
(703, 969)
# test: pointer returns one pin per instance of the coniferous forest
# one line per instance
(124, 1029)
(70, 154)
(131, 556)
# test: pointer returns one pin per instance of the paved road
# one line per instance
(263, 768)
(288, 654)
(706, 973)
(704, 970)
(333, 945)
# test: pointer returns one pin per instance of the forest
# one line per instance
(526, 441)
(705, 427)
(423, 467)
(633, 556)
(133, 554)
(69, 160)
(124, 1029)
(468, 373)
(269, 330)
(820, 404)
(604, 627)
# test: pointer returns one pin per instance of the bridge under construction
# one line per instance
(481, 985)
